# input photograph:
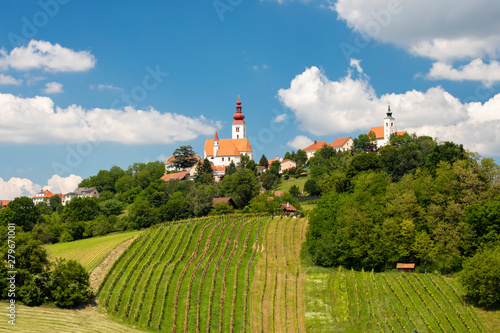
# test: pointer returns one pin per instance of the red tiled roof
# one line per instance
(43, 194)
(401, 265)
(229, 201)
(228, 147)
(288, 207)
(339, 142)
(178, 175)
(4, 203)
(379, 132)
(316, 145)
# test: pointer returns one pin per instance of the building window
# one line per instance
(229, 159)
(386, 124)
(237, 129)
(223, 159)
(237, 136)
(392, 124)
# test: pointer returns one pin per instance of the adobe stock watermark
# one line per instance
(267, 134)
(11, 272)
(362, 39)
(223, 6)
(95, 136)
(32, 25)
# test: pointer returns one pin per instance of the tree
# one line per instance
(274, 168)
(80, 209)
(252, 166)
(204, 173)
(300, 157)
(221, 208)
(294, 190)
(312, 187)
(184, 157)
(230, 169)
(177, 208)
(240, 186)
(111, 207)
(55, 202)
(480, 277)
(264, 161)
(69, 284)
(268, 180)
(22, 212)
(243, 161)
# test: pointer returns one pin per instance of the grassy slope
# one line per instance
(285, 185)
(203, 274)
(45, 319)
(91, 251)
(347, 301)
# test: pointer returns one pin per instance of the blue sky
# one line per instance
(88, 85)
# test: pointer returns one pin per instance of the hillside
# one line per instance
(90, 251)
(343, 300)
(212, 274)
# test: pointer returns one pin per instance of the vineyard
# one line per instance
(348, 301)
(211, 275)
(91, 251)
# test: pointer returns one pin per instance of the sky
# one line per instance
(85, 85)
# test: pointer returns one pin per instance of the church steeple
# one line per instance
(389, 125)
(389, 112)
(239, 126)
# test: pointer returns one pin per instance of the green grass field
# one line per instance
(90, 251)
(343, 300)
(198, 275)
(45, 319)
(286, 184)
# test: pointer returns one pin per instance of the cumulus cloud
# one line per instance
(17, 187)
(53, 88)
(46, 56)
(446, 30)
(325, 107)
(300, 142)
(44, 123)
(476, 70)
(9, 80)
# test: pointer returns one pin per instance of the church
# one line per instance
(221, 152)
(383, 133)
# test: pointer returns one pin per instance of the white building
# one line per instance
(383, 133)
(221, 152)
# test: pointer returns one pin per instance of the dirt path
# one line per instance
(98, 273)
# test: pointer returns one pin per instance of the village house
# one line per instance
(42, 196)
(342, 144)
(83, 192)
(287, 164)
(4, 203)
(317, 145)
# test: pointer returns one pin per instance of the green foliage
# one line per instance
(230, 169)
(204, 173)
(178, 207)
(294, 190)
(240, 186)
(221, 208)
(274, 168)
(69, 284)
(80, 209)
(184, 157)
(111, 207)
(22, 212)
(264, 161)
(481, 277)
(311, 187)
(268, 180)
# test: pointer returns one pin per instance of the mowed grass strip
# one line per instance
(45, 319)
(276, 297)
(90, 251)
(388, 302)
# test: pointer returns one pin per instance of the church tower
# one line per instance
(389, 125)
(216, 143)
(239, 126)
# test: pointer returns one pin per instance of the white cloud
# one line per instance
(300, 142)
(43, 123)
(280, 118)
(476, 70)
(324, 107)
(446, 30)
(17, 187)
(9, 80)
(53, 88)
(104, 87)
(46, 56)
(58, 184)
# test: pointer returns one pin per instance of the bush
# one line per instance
(481, 277)
(69, 284)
